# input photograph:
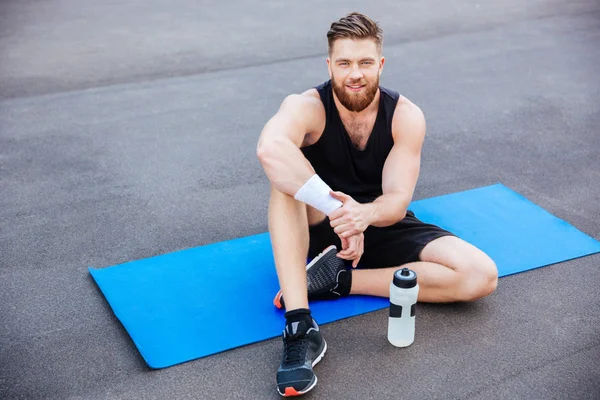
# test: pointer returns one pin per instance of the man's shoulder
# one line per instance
(312, 94)
(308, 111)
(405, 106)
(407, 115)
(308, 101)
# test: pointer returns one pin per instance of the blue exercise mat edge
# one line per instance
(418, 207)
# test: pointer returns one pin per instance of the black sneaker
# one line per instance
(303, 348)
(322, 276)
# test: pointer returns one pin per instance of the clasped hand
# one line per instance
(352, 248)
(349, 222)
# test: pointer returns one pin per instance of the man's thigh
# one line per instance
(456, 254)
(399, 244)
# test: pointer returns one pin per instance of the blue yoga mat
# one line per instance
(192, 303)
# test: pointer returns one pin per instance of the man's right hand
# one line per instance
(352, 248)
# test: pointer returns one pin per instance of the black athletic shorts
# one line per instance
(389, 246)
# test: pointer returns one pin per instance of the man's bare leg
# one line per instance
(288, 225)
(451, 270)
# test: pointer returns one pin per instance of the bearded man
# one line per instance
(343, 159)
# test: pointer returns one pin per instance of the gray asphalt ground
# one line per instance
(128, 130)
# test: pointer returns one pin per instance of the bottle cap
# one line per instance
(405, 278)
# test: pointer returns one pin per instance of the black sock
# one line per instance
(299, 314)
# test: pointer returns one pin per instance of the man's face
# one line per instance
(354, 68)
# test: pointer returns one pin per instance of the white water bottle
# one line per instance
(403, 300)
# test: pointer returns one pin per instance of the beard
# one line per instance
(355, 101)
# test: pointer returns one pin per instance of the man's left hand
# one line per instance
(350, 219)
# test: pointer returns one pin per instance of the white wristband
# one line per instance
(315, 193)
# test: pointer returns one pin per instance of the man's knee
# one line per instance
(479, 278)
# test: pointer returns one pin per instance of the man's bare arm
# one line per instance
(400, 174)
(300, 121)
(401, 168)
(279, 145)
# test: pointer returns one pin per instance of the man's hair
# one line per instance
(355, 26)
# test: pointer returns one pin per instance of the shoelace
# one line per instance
(295, 347)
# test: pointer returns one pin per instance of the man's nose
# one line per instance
(356, 73)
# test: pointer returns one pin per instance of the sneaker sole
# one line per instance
(291, 392)
(277, 301)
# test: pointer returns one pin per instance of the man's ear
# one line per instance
(329, 67)
(381, 62)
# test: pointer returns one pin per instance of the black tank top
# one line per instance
(339, 163)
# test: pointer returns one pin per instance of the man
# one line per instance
(343, 160)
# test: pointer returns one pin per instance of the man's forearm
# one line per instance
(388, 209)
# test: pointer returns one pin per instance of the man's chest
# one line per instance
(359, 129)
